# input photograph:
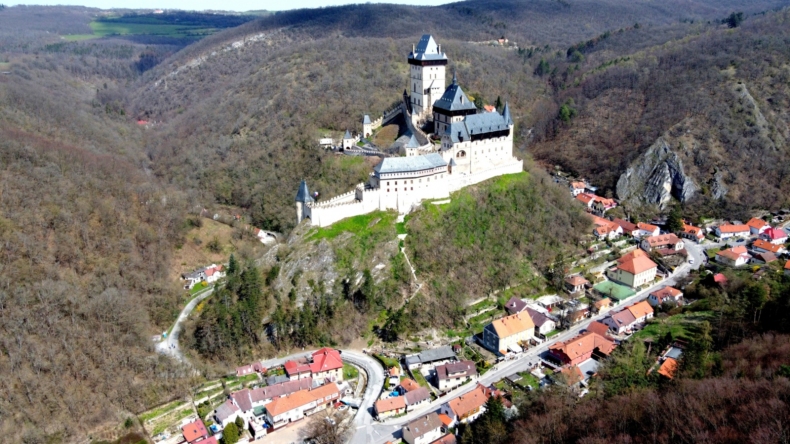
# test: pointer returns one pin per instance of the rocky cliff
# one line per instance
(656, 177)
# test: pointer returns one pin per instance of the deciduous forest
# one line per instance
(111, 145)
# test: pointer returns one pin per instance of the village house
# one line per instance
(408, 385)
(250, 402)
(543, 324)
(194, 432)
(226, 413)
(691, 232)
(602, 304)
(606, 229)
(466, 408)
(734, 257)
(450, 376)
(634, 269)
(665, 294)
(661, 242)
(576, 284)
(581, 348)
(577, 188)
(506, 333)
(296, 406)
(579, 315)
(325, 365)
(416, 398)
(776, 236)
(757, 226)
(446, 439)
(726, 231)
(763, 246)
(764, 258)
(787, 268)
(629, 317)
(250, 369)
(434, 356)
(423, 430)
(515, 305)
(644, 230)
(394, 375)
(627, 227)
(668, 368)
(596, 204)
(387, 408)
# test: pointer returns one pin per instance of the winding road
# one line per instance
(366, 428)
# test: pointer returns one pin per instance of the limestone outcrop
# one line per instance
(656, 177)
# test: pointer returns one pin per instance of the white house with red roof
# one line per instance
(662, 242)
(577, 188)
(327, 365)
(665, 294)
(776, 236)
(734, 257)
(194, 432)
(214, 273)
(644, 229)
(757, 226)
(726, 231)
(634, 269)
(692, 233)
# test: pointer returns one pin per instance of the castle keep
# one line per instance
(475, 146)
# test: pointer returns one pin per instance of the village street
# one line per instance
(381, 432)
(366, 428)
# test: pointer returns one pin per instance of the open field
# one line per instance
(109, 27)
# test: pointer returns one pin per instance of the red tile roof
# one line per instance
(585, 198)
(598, 328)
(647, 227)
(445, 419)
(765, 245)
(301, 398)
(466, 404)
(584, 344)
(326, 359)
(662, 239)
(757, 224)
(627, 227)
(576, 280)
(446, 439)
(787, 265)
(733, 253)
(692, 230)
(775, 234)
(390, 404)
(730, 228)
(194, 430)
(666, 292)
(635, 262)
(409, 384)
(640, 309)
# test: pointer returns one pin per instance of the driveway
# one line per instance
(169, 346)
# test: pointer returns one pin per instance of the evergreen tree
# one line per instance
(233, 265)
(675, 220)
(543, 68)
(231, 434)
(499, 104)
(239, 423)
(734, 20)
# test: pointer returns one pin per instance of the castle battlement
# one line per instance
(475, 146)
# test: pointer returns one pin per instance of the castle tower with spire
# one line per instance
(303, 198)
(427, 65)
(452, 107)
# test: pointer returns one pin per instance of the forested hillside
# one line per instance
(110, 146)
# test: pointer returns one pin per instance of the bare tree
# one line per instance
(328, 427)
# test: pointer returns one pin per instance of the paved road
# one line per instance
(381, 432)
(169, 346)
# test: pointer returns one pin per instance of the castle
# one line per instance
(473, 147)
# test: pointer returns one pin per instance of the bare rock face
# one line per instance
(655, 177)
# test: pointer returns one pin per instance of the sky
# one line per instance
(226, 5)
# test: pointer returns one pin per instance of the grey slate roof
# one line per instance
(410, 164)
(225, 411)
(454, 99)
(455, 370)
(347, 135)
(476, 124)
(366, 120)
(434, 354)
(674, 353)
(417, 396)
(506, 114)
(427, 49)
(303, 195)
(538, 318)
(423, 425)
(276, 379)
(413, 142)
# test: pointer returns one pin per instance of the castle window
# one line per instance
(412, 188)
(396, 182)
(396, 190)
(388, 190)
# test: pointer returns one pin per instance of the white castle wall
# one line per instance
(458, 181)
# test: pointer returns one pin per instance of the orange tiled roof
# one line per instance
(599, 327)
(409, 385)
(585, 198)
(194, 430)
(668, 368)
(756, 223)
(576, 280)
(646, 227)
(662, 239)
(300, 398)
(469, 402)
(605, 302)
(732, 253)
(513, 324)
(787, 265)
(667, 292)
(578, 185)
(635, 262)
(730, 228)
(765, 245)
(584, 344)
(390, 404)
(640, 309)
(445, 419)
(573, 375)
(692, 230)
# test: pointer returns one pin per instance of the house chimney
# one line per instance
(413, 48)
(440, 49)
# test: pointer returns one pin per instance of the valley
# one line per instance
(150, 160)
